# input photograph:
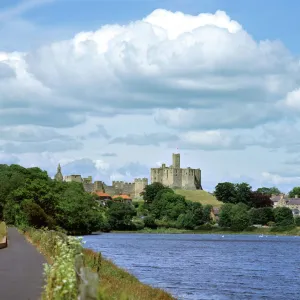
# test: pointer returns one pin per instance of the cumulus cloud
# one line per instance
(194, 82)
(167, 60)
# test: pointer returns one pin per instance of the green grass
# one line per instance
(200, 196)
(2, 230)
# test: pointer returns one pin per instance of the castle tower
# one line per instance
(176, 160)
(58, 176)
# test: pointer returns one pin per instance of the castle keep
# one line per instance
(176, 177)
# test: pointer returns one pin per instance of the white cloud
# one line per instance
(292, 99)
(168, 80)
(276, 179)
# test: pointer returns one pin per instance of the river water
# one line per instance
(208, 266)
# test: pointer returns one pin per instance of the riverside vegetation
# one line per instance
(28, 197)
(93, 278)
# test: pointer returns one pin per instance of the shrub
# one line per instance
(297, 221)
(150, 222)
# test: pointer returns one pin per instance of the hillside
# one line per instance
(200, 196)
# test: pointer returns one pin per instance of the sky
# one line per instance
(113, 88)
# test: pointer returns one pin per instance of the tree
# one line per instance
(261, 215)
(225, 192)
(225, 215)
(268, 191)
(260, 200)
(151, 190)
(149, 222)
(242, 193)
(120, 216)
(294, 192)
(297, 221)
(283, 216)
(207, 213)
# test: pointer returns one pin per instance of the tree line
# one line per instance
(29, 197)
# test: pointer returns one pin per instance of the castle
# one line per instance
(173, 176)
(118, 187)
(176, 177)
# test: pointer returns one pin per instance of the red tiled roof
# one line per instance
(101, 194)
(125, 197)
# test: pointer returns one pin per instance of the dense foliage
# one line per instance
(28, 197)
(234, 193)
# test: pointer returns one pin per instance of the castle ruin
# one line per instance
(176, 177)
(173, 176)
(132, 189)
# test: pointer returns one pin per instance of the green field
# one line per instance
(200, 196)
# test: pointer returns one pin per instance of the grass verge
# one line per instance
(114, 284)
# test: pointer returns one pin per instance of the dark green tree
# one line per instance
(120, 216)
(225, 215)
(151, 190)
(225, 192)
(283, 216)
(242, 193)
(207, 209)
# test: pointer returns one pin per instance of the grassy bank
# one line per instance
(199, 196)
(111, 282)
(216, 230)
(2, 230)
(117, 283)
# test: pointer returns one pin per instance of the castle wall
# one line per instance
(139, 185)
(70, 178)
(177, 178)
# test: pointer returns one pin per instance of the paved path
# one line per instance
(21, 269)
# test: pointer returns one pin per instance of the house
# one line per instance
(284, 201)
(126, 198)
(103, 197)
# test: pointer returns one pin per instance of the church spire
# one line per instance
(58, 176)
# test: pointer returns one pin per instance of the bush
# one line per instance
(138, 223)
(283, 216)
(297, 221)
(150, 222)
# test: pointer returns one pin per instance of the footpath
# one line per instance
(21, 269)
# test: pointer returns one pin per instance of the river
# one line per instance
(208, 266)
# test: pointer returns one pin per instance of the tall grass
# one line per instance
(116, 283)
(62, 251)
(3, 231)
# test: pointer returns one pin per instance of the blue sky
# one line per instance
(266, 19)
(112, 88)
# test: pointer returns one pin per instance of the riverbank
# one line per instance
(112, 282)
(215, 230)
